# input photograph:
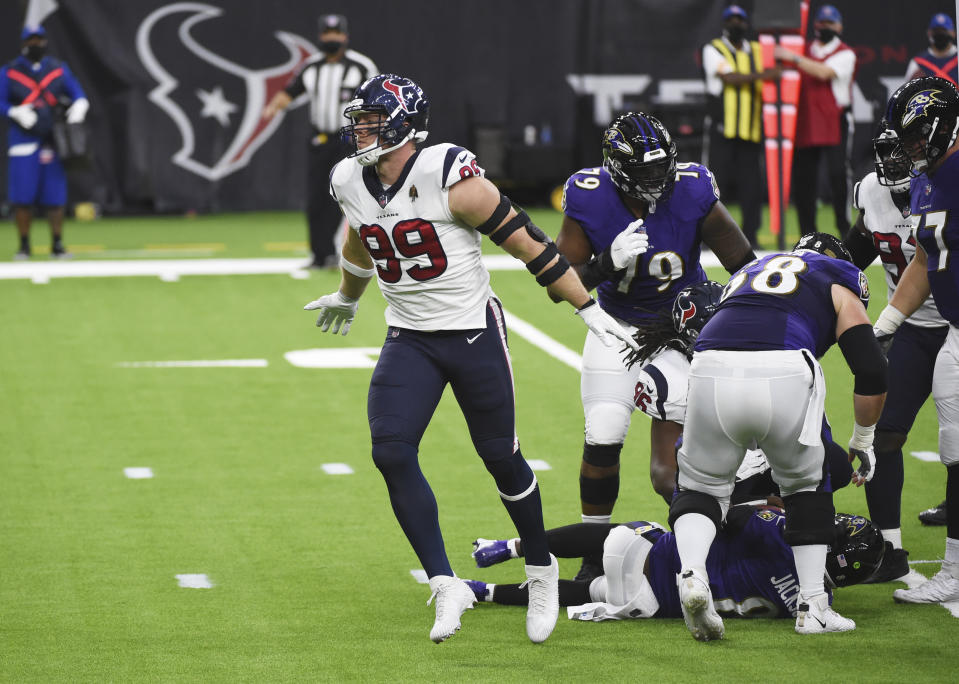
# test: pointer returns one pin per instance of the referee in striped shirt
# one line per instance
(328, 79)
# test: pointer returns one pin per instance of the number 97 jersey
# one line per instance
(649, 284)
(429, 265)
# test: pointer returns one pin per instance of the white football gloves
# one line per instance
(886, 325)
(860, 446)
(628, 245)
(77, 112)
(23, 115)
(335, 310)
(604, 326)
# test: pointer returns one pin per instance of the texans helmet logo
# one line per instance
(405, 94)
(688, 313)
(215, 103)
(617, 141)
(916, 107)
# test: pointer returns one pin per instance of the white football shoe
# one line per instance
(941, 587)
(817, 617)
(453, 597)
(542, 583)
(696, 600)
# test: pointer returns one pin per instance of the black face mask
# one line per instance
(824, 35)
(736, 34)
(940, 41)
(34, 52)
(331, 46)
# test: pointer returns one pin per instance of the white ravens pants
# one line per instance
(735, 397)
(945, 392)
(607, 388)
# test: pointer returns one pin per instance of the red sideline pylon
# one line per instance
(779, 121)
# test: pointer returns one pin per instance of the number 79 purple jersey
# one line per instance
(650, 283)
(429, 265)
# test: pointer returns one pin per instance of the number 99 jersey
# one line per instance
(650, 283)
(429, 265)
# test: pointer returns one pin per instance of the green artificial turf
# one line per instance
(311, 572)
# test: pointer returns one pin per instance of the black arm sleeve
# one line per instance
(861, 248)
(866, 360)
(596, 271)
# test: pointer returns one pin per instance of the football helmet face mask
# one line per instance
(924, 115)
(856, 551)
(824, 243)
(693, 306)
(640, 157)
(893, 165)
(386, 112)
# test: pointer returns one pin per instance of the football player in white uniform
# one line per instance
(417, 217)
(884, 229)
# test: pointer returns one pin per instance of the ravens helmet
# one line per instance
(403, 115)
(856, 551)
(693, 306)
(924, 115)
(824, 243)
(640, 157)
(892, 163)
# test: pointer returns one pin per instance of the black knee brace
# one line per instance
(810, 517)
(601, 455)
(888, 442)
(603, 490)
(689, 501)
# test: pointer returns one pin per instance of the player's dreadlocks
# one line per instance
(654, 337)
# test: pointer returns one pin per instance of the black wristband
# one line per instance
(591, 302)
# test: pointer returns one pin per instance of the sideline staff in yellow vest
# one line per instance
(734, 75)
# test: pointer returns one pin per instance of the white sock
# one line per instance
(811, 568)
(694, 535)
(603, 519)
(952, 554)
(489, 593)
(894, 536)
(511, 545)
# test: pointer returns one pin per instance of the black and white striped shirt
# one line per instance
(329, 86)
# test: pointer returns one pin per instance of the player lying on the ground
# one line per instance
(751, 568)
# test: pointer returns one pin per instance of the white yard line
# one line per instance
(42, 270)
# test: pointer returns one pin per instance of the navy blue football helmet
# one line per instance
(693, 306)
(924, 114)
(402, 110)
(640, 157)
(824, 243)
(856, 551)
(892, 164)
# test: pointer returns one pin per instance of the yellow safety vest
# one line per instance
(742, 104)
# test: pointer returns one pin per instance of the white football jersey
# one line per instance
(892, 236)
(429, 265)
(661, 392)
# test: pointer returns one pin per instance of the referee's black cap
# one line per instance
(333, 22)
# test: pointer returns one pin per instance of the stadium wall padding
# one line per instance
(500, 74)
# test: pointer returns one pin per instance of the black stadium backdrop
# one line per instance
(176, 87)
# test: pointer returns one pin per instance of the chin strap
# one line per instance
(370, 155)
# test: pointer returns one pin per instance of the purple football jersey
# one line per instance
(935, 201)
(782, 301)
(648, 285)
(752, 572)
